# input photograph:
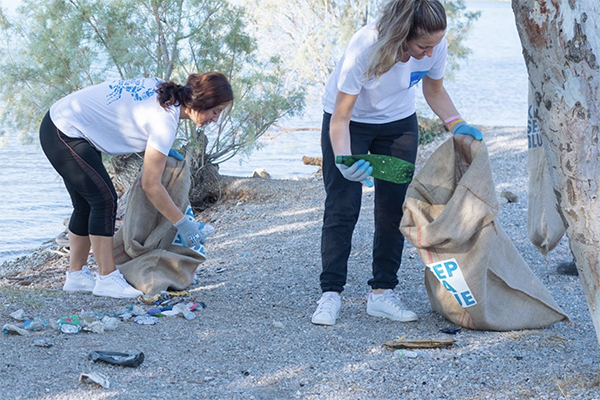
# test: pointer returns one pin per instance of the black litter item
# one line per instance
(133, 359)
(451, 331)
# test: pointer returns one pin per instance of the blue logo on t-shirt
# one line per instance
(134, 86)
(416, 76)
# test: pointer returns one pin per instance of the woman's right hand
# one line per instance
(360, 171)
(188, 232)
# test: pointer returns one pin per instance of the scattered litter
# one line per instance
(110, 323)
(19, 315)
(95, 377)
(277, 324)
(163, 297)
(43, 343)
(400, 353)
(181, 308)
(36, 324)
(132, 310)
(10, 329)
(89, 316)
(418, 344)
(453, 330)
(509, 196)
(132, 359)
(95, 327)
(158, 312)
(69, 324)
(145, 320)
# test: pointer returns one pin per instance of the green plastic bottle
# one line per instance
(387, 168)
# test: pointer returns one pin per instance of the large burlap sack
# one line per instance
(143, 246)
(545, 226)
(475, 277)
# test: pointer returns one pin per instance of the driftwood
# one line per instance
(418, 344)
(312, 161)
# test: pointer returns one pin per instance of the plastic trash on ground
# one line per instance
(132, 359)
(95, 377)
(11, 329)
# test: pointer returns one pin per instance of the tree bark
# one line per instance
(560, 39)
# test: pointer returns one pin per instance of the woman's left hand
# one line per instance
(465, 129)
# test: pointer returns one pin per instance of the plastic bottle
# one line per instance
(69, 324)
(36, 324)
(387, 168)
(402, 353)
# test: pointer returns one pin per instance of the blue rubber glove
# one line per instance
(360, 171)
(461, 128)
(175, 154)
(188, 231)
(195, 232)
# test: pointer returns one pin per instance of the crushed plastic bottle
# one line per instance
(12, 329)
(402, 353)
(145, 320)
(36, 324)
(19, 315)
(69, 324)
(181, 308)
(110, 323)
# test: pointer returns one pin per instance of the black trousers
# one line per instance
(80, 165)
(343, 201)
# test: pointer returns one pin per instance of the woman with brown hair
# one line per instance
(369, 107)
(122, 117)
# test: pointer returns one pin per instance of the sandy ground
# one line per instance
(254, 339)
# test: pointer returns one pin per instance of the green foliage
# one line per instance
(429, 129)
(57, 47)
(314, 33)
(460, 22)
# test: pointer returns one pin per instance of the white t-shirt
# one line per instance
(392, 96)
(118, 117)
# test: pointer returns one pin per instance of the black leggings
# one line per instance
(92, 192)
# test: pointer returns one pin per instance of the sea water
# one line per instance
(489, 89)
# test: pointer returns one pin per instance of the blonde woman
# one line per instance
(369, 106)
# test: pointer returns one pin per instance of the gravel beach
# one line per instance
(254, 339)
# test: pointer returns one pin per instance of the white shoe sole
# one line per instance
(115, 295)
(77, 289)
(318, 321)
(409, 318)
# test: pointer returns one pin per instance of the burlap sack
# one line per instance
(475, 277)
(143, 246)
(545, 226)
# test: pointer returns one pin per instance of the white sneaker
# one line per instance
(389, 305)
(83, 281)
(328, 309)
(114, 285)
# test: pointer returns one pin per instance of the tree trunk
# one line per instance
(207, 187)
(560, 39)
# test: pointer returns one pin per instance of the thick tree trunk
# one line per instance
(560, 40)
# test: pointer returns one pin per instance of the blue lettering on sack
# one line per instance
(450, 276)
(135, 87)
(416, 76)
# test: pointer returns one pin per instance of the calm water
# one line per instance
(490, 89)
